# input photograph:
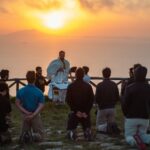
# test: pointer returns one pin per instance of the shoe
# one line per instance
(140, 144)
(72, 135)
(148, 131)
(102, 132)
(88, 135)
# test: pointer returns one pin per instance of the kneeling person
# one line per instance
(80, 99)
(107, 95)
(136, 106)
(30, 101)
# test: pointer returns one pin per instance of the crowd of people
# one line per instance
(134, 100)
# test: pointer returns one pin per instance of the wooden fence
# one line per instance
(20, 81)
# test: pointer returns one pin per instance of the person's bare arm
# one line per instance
(18, 104)
(37, 111)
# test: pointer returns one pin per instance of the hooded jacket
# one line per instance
(136, 101)
(80, 96)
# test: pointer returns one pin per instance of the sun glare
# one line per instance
(55, 19)
(58, 20)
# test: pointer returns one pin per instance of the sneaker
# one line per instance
(5, 138)
(88, 135)
(148, 130)
(101, 132)
(72, 135)
(36, 137)
(140, 144)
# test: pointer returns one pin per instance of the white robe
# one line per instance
(56, 77)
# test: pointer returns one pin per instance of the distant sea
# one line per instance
(24, 51)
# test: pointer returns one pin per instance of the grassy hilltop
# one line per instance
(54, 118)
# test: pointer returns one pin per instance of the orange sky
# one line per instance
(77, 17)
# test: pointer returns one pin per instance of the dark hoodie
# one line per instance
(136, 101)
(5, 108)
(80, 96)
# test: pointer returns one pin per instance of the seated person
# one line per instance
(80, 99)
(5, 109)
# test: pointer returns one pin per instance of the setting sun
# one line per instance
(59, 18)
(54, 20)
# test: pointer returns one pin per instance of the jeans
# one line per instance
(103, 117)
(132, 126)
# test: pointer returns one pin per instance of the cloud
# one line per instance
(3, 10)
(43, 4)
(90, 5)
(96, 4)
(136, 4)
(121, 5)
(5, 6)
(40, 5)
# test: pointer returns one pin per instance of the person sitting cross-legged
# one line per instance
(80, 99)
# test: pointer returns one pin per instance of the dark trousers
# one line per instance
(3, 125)
(73, 121)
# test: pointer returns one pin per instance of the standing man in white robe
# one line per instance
(58, 71)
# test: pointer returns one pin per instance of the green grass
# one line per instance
(55, 119)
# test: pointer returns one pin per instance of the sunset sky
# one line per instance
(96, 33)
(77, 17)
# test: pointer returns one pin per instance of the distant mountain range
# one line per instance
(24, 34)
(37, 34)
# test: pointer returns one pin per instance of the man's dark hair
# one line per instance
(131, 69)
(106, 72)
(61, 51)
(4, 73)
(79, 73)
(140, 73)
(37, 68)
(131, 72)
(31, 76)
(86, 69)
(136, 65)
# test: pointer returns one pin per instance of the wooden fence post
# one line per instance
(17, 85)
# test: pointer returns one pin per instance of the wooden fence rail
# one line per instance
(19, 81)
